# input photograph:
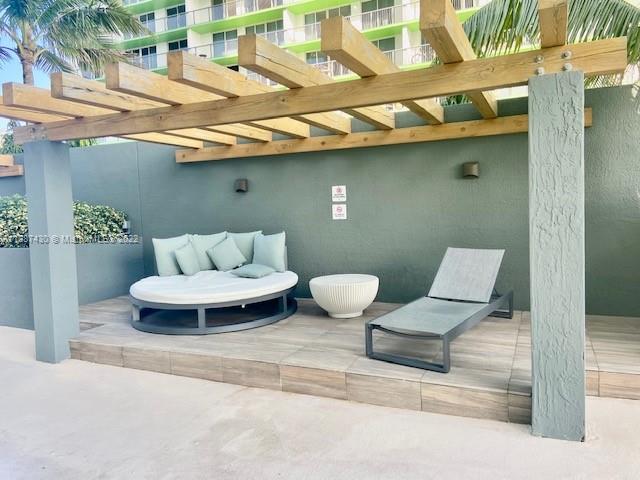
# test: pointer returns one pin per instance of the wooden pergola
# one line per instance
(205, 109)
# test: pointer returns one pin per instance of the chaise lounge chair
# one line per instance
(461, 296)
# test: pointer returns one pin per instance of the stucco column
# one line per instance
(53, 257)
(556, 235)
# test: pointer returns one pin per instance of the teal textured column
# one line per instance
(556, 235)
(53, 258)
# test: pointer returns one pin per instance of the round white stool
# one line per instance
(344, 296)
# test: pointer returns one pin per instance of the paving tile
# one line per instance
(197, 365)
(385, 391)
(465, 402)
(97, 353)
(313, 381)
(619, 385)
(146, 359)
(251, 373)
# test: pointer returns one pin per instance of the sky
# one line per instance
(11, 71)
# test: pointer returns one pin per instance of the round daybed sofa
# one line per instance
(180, 304)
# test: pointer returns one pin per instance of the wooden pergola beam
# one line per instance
(426, 133)
(12, 171)
(73, 88)
(34, 116)
(259, 55)
(345, 44)
(6, 160)
(593, 58)
(211, 77)
(554, 16)
(39, 99)
(136, 81)
(440, 26)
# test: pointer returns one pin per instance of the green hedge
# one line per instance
(93, 223)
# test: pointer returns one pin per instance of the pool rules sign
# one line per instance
(339, 194)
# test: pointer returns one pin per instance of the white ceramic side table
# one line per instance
(344, 296)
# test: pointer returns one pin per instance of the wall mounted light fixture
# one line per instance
(471, 170)
(241, 185)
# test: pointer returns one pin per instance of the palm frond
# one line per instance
(48, 62)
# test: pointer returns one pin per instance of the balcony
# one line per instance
(232, 9)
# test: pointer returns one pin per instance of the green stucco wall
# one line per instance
(406, 203)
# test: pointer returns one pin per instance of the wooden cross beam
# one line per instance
(342, 42)
(426, 133)
(74, 88)
(27, 96)
(554, 15)
(258, 54)
(126, 78)
(440, 26)
(211, 77)
(593, 58)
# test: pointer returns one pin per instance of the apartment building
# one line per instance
(210, 29)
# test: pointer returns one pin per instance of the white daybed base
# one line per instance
(146, 313)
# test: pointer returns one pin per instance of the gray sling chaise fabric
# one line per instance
(462, 294)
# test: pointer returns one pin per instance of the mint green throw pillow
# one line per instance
(163, 248)
(187, 259)
(244, 242)
(269, 250)
(226, 255)
(202, 243)
(253, 270)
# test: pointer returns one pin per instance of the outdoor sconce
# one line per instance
(471, 170)
(241, 185)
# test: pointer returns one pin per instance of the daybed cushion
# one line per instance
(163, 248)
(226, 255)
(253, 270)
(269, 250)
(209, 286)
(187, 259)
(244, 241)
(202, 243)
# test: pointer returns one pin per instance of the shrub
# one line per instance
(92, 223)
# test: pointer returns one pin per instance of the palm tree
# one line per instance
(67, 35)
(505, 26)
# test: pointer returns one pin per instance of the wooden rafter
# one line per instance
(258, 54)
(28, 97)
(6, 160)
(12, 171)
(442, 29)
(211, 77)
(153, 86)
(593, 58)
(34, 116)
(73, 88)
(344, 43)
(426, 133)
(554, 15)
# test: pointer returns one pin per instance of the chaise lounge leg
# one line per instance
(368, 340)
(282, 303)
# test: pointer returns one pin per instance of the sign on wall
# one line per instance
(339, 193)
(339, 211)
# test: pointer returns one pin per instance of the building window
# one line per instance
(377, 13)
(178, 45)
(222, 9)
(176, 17)
(316, 57)
(372, 5)
(272, 31)
(145, 57)
(148, 21)
(385, 44)
(315, 17)
(225, 43)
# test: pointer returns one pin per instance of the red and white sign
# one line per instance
(339, 193)
(339, 211)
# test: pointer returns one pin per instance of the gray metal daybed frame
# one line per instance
(452, 306)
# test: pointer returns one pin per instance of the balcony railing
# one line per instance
(464, 4)
(411, 55)
(164, 24)
(232, 9)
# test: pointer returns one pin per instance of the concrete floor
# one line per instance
(79, 420)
